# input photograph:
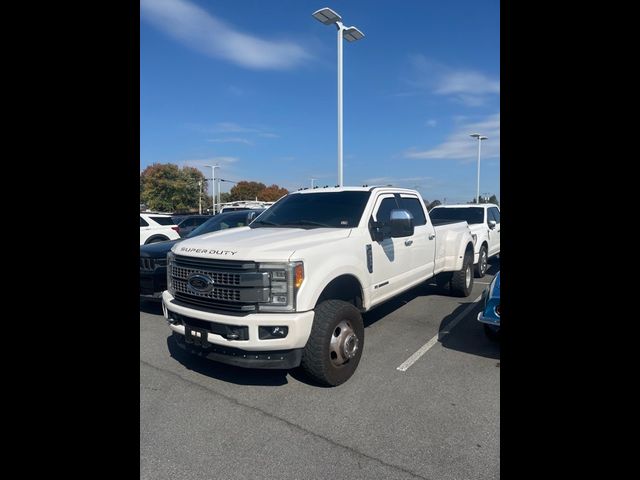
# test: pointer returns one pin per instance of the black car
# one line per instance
(190, 223)
(153, 257)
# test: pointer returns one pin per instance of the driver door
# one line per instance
(391, 257)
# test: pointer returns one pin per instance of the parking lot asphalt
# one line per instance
(439, 419)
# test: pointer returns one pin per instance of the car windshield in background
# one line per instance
(162, 220)
(315, 210)
(473, 215)
(221, 222)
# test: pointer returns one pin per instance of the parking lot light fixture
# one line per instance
(213, 187)
(326, 16)
(480, 138)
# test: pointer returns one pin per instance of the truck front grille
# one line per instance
(234, 285)
(227, 294)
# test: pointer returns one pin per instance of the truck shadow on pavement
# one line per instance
(224, 372)
(468, 334)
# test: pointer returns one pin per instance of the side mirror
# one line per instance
(377, 231)
(401, 223)
(492, 224)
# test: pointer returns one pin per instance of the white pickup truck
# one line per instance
(290, 288)
(484, 222)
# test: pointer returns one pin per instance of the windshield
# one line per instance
(221, 222)
(473, 215)
(315, 210)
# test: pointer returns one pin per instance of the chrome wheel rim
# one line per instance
(467, 276)
(344, 344)
(483, 262)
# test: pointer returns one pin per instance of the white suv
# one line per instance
(155, 227)
(484, 221)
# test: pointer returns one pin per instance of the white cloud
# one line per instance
(201, 31)
(468, 87)
(230, 127)
(431, 123)
(230, 140)
(459, 146)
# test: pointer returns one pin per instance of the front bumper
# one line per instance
(277, 359)
(488, 320)
(298, 323)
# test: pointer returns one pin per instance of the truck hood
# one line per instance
(257, 244)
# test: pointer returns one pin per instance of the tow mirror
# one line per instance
(401, 222)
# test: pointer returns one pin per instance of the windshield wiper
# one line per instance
(310, 223)
(264, 222)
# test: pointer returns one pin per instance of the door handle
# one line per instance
(432, 236)
(408, 242)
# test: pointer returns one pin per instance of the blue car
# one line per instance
(490, 314)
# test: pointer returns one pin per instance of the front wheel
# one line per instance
(335, 344)
(462, 280)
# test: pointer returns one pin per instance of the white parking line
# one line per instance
(423, 349)
(483, 283)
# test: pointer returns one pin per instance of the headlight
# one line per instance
(284, 279)
(170, 258)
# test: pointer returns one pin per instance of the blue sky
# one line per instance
(251, 85)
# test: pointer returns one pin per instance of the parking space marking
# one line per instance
(423, 349)
(483, 283)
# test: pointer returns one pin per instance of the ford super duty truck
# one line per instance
(289, 290)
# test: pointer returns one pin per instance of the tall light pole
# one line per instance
(200, 197)
(213, 186)
(327, 16)
(312, 183)
(480, 138)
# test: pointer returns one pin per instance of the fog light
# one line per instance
(265, 333)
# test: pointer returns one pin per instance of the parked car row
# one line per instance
(153, 258)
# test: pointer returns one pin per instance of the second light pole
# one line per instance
(213, 186)
(327, 16)
(480, 138)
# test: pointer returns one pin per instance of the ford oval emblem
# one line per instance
(199, 283)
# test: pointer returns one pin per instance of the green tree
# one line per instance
(245, 190)
(165, 187)
(493, 199)
(272, 193)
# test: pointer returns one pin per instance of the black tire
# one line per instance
(493, 333)
(462, 280)
(319, 358)
(155, 240)
(483, 262)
